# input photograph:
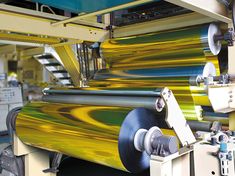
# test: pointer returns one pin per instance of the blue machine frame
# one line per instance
(87, 6)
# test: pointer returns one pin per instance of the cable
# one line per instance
(10, 122)
(42, 7)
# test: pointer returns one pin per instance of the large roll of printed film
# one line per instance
(102, 134)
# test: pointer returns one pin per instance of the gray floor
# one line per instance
(3, 144)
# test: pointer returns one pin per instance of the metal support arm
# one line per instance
(175, 118)
(222, 97)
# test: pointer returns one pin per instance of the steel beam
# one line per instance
(40, 26)
(70, 63)
(162, 24)
(6, 49)
(19, 10)
(29, 53)
(28, 38)
(210, 8)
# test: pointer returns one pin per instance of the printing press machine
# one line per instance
(140, 113)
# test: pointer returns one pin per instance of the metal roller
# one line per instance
(132, 96)
(87, 91)
(125, 98)
(179, 47)
(181, 80)
(108, 129)
(100, 134)
(121, 101)
(200, 126)
(154, 74)
(141, 74)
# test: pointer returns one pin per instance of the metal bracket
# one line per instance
(110, 29)
(222, 97)
(175, 118)
(55, 164)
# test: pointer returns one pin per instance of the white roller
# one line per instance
(215, 47)
(209, 70)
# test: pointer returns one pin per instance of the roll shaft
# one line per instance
(121, 101)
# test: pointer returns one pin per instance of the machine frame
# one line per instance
(50, 28)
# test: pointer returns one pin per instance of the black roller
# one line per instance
(133, 160)
(200, 126)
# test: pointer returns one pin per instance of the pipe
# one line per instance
(42, 7)
(10, 121)
(103, 92)
(120, 101)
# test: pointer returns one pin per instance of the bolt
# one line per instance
(233, 133)
(220, 156)
(159, 104)
(229, 156)
(213, 141)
